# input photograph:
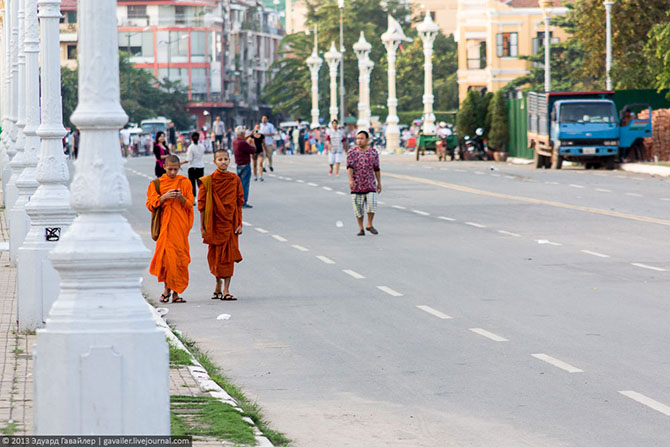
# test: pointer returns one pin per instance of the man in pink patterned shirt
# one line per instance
(364, 180)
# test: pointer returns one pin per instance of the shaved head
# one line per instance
(172, 159)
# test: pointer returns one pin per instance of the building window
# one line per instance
(72, 52)
(178, 43)
(180, 15)
(71, 17)
(198, 43)
(199, 80)
(476, 51)
(137, 11)
(137, 44)
(538, 41)
(508, 44)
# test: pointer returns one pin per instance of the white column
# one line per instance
(428, 31)
(10, 191)
(545, 5)
(314, 63)
(4, 69)
(608, 59)
(367, 71)
(101, 364)
(392, 38)
(15, 215)
(49, 208)
(26, 183)
(333, 58)
(362, 49)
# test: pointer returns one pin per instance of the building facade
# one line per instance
(492, 34)
(68, 34)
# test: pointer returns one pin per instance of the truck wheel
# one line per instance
(610, 163)
(556, 160)
(538, 160)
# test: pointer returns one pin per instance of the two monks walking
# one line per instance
(220, 200)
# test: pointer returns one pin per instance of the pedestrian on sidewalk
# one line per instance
(268, 130)
(220, 202)
(243, 152)
(194, 158)
(161, 152)
(172, 194)
(335, 141)
(219, 129)
(364, 180)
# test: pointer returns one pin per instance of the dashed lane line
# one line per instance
(300, 181)
(573, 185)
(648, 401)
(340, 193)
(434, 312)
(246, 224)
(325, 259)
(327, 188)
(509, 233)
(421, 213)
(487, 334)
(603, 190)
(475, 224)
(288, 179)
(634, 194)
(546, 242)
(595, 253)
(398, 207)
(498, 195)
(389, 290)
(381, 203)
(300, 247)
(261, 230)
(648, 267)
(353, 274)
(448, 219)
(312, 184)
(279, 238)
(551, 183)
(557, 363)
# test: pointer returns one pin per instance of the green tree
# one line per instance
(658, 49)
(289, 90)
(142, 95)
(499, 131)
(469, 115)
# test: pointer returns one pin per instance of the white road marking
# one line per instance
(300, 247)
(353, 274)
(551, 183)
(603, 190)
(398, 207)
(460, 170)
(327, 188)
(379, 202)
(423, 213)
(260, 230)
(246, 224)
(546, 242)
(633, 194)
(508, 233)
(576, 186)
(434, 312)
(649, 267)
(325, 259)
(648, 401)
(600, 174)
(487, 334)
(621, 176)
(479, 173)
(557, 363)
(389, 290)
(665, 199)
(476, 225)
(595, 253)
(340, 193)
(450, 219)
(288, 178)
(495, 175)
(510, 176)
(279, 238)
(300, 181)
(271, 175)
(312, 184)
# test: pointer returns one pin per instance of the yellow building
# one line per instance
(492, 34)
(68, 34)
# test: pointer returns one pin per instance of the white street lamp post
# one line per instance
(100, 326)
(340, 5)
(49, 208)
(4, 158)
(608, 60)
(392, 38)
(16, 215)
(428, 31)
(362, 49)
(13, 99)
(26, 183)
(333, 58)
(545, 5)
(314, 63)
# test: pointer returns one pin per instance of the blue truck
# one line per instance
(582, 127)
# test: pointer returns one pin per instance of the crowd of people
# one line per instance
(221, 197)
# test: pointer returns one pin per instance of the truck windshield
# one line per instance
(583, 112)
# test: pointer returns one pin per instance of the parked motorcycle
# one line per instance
(475, 148)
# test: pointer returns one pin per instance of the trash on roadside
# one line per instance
(162, 311)
(339, 224)
(223, 317)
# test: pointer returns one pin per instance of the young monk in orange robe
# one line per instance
(172, 255)
(220, 201)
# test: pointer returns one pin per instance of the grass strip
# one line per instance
(178, 356)
(250, 409)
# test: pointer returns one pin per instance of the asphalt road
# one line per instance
(499, 305)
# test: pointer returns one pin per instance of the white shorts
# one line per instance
(335, 157)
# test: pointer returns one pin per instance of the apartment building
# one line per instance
(68, 34)
(492, 34)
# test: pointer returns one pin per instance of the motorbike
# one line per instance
(475, 149)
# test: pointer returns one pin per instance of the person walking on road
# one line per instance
(257, 158)
(365, 180)
(268, 131)
(194, 158)
(125, 141)
(220, 202)
(219, 132)
(161, 153)
(172, 194)
(172, 137)
(335, 141)
(243, 152)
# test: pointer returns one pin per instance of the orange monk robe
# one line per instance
(220, 199)
(172, 255)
